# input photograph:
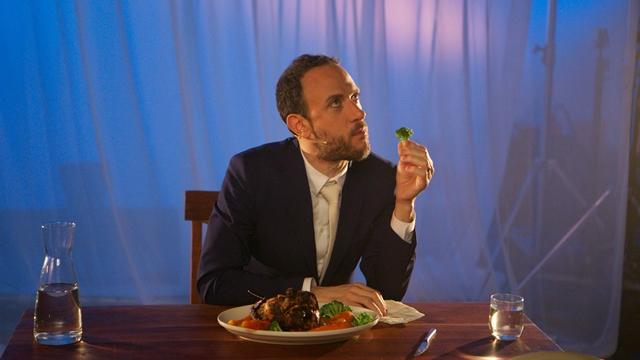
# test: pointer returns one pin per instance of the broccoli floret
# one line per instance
(275, 326)
(404, 133)
(362, 318)
(331, 309)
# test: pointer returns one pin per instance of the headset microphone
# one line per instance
(317, 141)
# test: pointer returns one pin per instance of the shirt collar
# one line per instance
(318, 179)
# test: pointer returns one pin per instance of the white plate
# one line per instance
(291, 337)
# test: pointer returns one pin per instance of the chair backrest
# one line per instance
(198, 206)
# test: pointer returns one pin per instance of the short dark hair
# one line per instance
(289, 96)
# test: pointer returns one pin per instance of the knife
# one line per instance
(424, 344)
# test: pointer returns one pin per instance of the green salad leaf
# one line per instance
(362, 318)
(404, 133)
(275, 326)
(331, 309)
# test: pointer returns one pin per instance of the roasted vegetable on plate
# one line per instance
(298, 310)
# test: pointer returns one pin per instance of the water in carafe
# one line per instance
(57, 318)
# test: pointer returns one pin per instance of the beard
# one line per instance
(341, 148)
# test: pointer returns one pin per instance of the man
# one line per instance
(302, 212)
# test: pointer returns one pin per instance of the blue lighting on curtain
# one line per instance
(110, 110)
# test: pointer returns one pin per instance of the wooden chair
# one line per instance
(198, 206)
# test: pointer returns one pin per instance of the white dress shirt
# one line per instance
(324, 245)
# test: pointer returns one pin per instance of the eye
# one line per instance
(355, 97)
(335, 102)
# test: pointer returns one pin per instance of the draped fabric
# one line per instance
(110, 110)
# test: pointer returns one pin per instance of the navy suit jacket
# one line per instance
(260, 235)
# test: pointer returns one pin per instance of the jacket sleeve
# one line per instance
(225, 275)
(387, 261)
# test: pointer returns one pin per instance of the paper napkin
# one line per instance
(399, 313)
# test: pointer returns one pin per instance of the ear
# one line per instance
(296, 124)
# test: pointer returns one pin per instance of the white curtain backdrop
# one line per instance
(110, 110)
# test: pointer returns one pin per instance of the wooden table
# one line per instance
(192, 331)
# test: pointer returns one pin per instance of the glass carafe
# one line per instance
(57, 319)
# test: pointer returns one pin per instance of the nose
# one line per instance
(358, 111)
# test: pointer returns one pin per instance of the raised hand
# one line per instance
(414, 172)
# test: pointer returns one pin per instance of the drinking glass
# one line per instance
(506, 316)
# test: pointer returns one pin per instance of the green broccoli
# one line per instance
(275, 326)
(362, 318)
(329, 310)
(404, 133)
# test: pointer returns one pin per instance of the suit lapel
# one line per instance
(298, 198)
(352, 200)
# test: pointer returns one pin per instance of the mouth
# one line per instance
(359, 131)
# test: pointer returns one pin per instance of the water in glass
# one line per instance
(506, 316)
(57, 318)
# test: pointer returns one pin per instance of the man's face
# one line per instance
(335, 114)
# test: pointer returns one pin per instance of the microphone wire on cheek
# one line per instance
(317, 141)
